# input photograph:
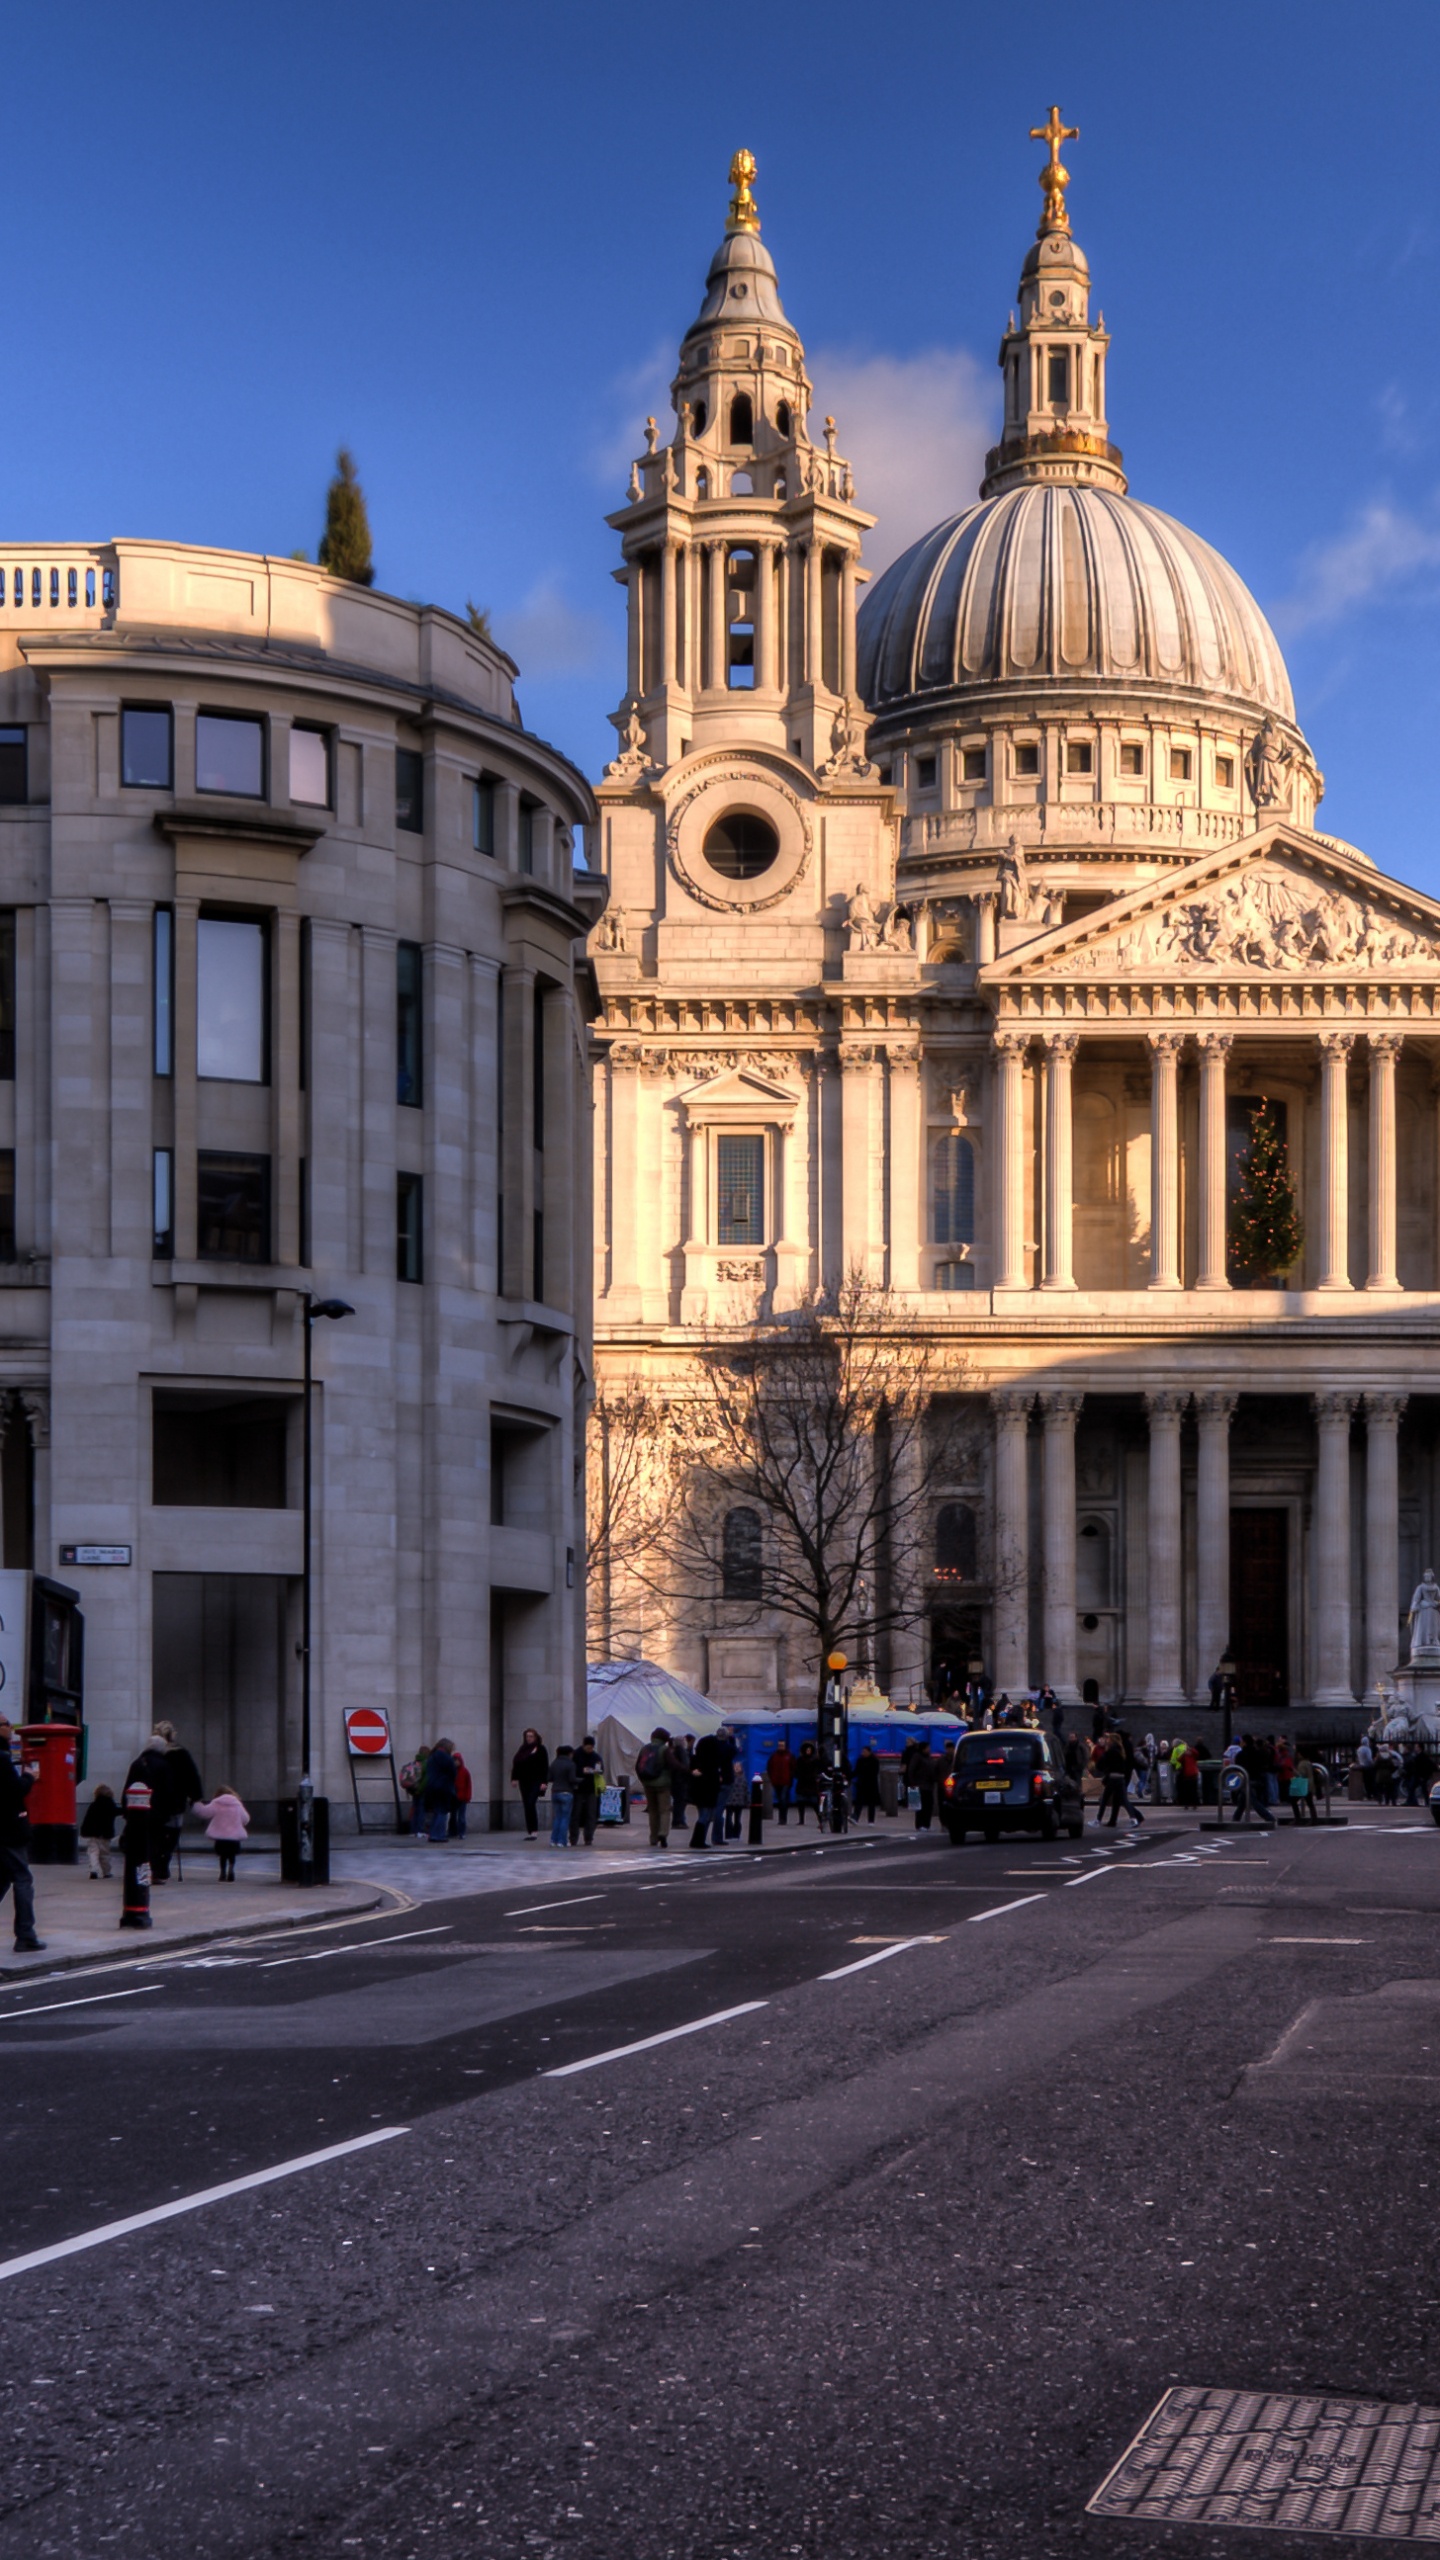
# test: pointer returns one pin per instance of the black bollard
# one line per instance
(756, 1837)
(135, 1844)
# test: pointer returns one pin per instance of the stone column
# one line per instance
(622, 1208)
(1165, 1565)
(1382, 1537)
(36, 1403)
(1164, 1161)
(667, 611)
(1335, 1048)
(634, 590)
(1214, 1048)
(1011, 1666)
(1060, 1047)
(814, 629)
(847, 626)
(859, 1157)
(1332, 1546)
(1060, 1407)
(1009, 1153)
(1384, 1051)
(907, 1167)
(764, 616)
(984, 930)
(1214, 1407)
(715, 558)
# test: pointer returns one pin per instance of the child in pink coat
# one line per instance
(227, 1825)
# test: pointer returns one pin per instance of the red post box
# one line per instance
(51, 1801)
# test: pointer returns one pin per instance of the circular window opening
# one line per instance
(740, 846)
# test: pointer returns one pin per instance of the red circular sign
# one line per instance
(366, 1730)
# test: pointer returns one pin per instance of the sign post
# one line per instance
(371, 1755)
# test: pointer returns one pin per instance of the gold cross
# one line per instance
(1053, 178)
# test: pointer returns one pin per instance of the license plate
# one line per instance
(993, 1786)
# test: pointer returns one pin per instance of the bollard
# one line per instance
(755, 1838)
(135, 1844)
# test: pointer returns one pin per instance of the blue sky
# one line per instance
(467, 240)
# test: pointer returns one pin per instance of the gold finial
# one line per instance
(744, 215)
(1053, 178)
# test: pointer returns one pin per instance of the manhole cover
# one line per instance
(1264, 2458)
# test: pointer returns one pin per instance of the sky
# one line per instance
(466, 240)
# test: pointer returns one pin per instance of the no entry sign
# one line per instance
(367, 1732)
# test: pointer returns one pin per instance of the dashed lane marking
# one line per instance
(88, 2001)
(883, 1954)
(646, 2044)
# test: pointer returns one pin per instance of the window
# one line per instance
(310, 767)
(973, 764)
(232, 1207)
(163, 1201)
(955, 1543)
(702, 483)
(1225, 772)
(230, 755)
(952, 1191)
(1179, 764)
(163, 995)
(742, 419)
(146, 758)
(410, 791)
(742, 1556)
(7, 1204)
(740, 1166)
(698, 417)
(783, 419)
(218, 1451)
(230, 1008)
(1132, 758)
(14, 778)
(72, 587)
(408, 1226)
(955, 1275)
(7, 993)
(483, 816)
(528, 815)
(926, 768)
(741, 845)
(1027, 758)
(1057, 373)
(740, 621)
(1092, 1566)
(1079, 756)
(407, 1023)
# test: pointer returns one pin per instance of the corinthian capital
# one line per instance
(1336, 1045)
(1384, 1409)
(1165, 1404)
(1334, 1407)
(1061, 1404)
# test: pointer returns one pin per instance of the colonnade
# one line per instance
(693, 614)
(1381, 1049)
(1165, 1409)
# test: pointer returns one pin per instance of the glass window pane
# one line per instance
(13, 783)
(230, 755)
(145, 749)
(407, 1022)
(7, 1204)
(741, 1171)
(953, 1194)
(230, 1000)
(485, 816)
(7, 993)
(164, 1201)
(408, 1240)
(410, 791)
(310, 768)
(164, 991)
(232, 1207)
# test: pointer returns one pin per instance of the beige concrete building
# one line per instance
(966, 950)
(292, 1001)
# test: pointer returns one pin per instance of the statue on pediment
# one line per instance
(898, 931)
(1013, 887)
(1270, 760)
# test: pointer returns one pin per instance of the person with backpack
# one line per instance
(678, 1755)
(439, 1796)
(530, 1771)
(710, 1777)
(564, 1777)
(652, 1768)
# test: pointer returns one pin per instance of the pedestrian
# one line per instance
(919, 1769)
(1387, 1772)
(1187, 1776)
(563, 1777)
(439, 1795)
(178, 1787)
(737, 1794)
(1116, 1765)
(867, 1782)
(652, 1768)
(1365, 1763)
(226, 1823)
(412, 1779)
(710, 1776)
(807, 1782)
(1302, 1787)
(530, 1771)
(585, 1805)
(1256, 1759)
(464, 1793)
(680, 1774)
(16, 1781)
(1283, 1761)
(98, 1831)
(780, 1770)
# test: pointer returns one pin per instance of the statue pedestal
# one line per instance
(1418, 1687)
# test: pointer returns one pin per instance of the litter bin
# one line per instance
(51, 1801)
(290, 1840)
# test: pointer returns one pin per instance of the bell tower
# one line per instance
(1053, 360)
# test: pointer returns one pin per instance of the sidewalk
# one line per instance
(79, 1919)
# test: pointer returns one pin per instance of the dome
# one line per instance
(741, 285)
(1048, 581)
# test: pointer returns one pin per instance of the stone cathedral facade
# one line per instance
(960, 935)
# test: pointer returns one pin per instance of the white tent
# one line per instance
(627, 1700)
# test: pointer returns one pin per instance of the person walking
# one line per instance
(867, 1782)
(807, 1782)
(97, 1830)
(464, 1793)
(709, 1779)
(412, 1779)
(737, 1794)
(585, 1807)
(178, 1786)
(1115, 1764)
(563, 1779)
(1187, 1776)
(780, 1770)
(1365, 1763)
(16, 1781)
(1257, 1760)
(919, 1771)
(652, 1768)
(529, 1771)
(226, 1823)
(439, 1795)
(680, 1779)
(1302, 1787)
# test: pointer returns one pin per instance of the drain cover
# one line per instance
(1264, 2458)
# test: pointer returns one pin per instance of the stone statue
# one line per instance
(1014, 894)
(612, 930)
(847, 751)
(1270, 760)
(898, 933)
(1425, 1617)
(632, 762)
(861, 920)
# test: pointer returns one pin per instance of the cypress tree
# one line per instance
(1266, 1232)
(478, 617)
(345, 542)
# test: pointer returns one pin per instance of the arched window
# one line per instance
(702, 484)
(742, 419)
(952, 1191)
(698, 416)
(780, 485)
(782, 417)
(740, 621)
(955, 1543)
(742, 1557)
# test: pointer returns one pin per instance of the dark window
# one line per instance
(742, 419)
(783, 417)
(1132, 758)
(14, 778)
(7, 993)
(955, 1275)
(231, 1007)
(1058, 375)
(741, 845)
(974, 767)
(537, 1248)
(952, 1191)
(741, 1170)
(146, 750)
(955, 1542)
(409, 1191)
(484, 816)
(221, 1451)
(232, 1207)
(1027, 759)
(162, 1191)
(537, 1071)
(926, 768)
(1179, 764)
(163, 992)
(7, 1204)
(1079, 756)
(310, 767)
(230, 755)
(410, 791)
(698, 416)
(528, 815)
(742, 1557)
(1225, 772)
(740, 621)
(408, 1023)
(72, 586)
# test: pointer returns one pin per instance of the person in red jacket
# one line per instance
(464, 1791)
(780, 1770)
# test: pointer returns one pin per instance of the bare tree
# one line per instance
(633, 1489)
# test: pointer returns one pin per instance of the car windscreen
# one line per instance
(1022, 1751)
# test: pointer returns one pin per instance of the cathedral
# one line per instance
(980, 937)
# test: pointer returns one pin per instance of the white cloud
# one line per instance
(1382, 550)
(642, 391)
(915, 428)
(549, 636)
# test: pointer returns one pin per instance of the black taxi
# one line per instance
(1014, 1779)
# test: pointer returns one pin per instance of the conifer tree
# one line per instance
(478, 617)
(1266, 1231)
(345, 542)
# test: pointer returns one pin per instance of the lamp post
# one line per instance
(832, 1740)
(1227, 1697)
(305, 1803)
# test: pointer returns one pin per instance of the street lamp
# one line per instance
(832, 1740)
(1227, 1696)
(305, 1804)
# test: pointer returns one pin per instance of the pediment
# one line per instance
(1279, 905)
(739, 1093)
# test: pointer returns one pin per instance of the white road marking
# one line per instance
(1090, 1876)
(88, 2002)
(191, 2204)
(618, 2052)
(571, 1902)
(880, 1958)
(1318, 1942)
(1002, 1907)
(440, 1929)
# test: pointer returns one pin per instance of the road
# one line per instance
(983, 2151)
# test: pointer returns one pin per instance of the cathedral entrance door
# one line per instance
(1260, 1607)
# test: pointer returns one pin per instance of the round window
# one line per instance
(741, 845)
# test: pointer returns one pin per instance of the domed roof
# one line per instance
(1047, 581)
(741, 285)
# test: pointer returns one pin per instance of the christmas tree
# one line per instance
(345, 543)
(1266, 1234)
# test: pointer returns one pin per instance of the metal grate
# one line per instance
(1258, 2458)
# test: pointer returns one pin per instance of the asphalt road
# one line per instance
(996, 2146)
